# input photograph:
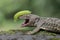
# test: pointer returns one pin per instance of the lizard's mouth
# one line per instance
(25, 23)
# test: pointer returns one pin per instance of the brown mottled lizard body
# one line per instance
(45, 23)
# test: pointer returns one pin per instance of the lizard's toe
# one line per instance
(29, 33)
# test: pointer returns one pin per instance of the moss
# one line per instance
(46, 33)
(55, 39)
(13, 31)
(26, 29)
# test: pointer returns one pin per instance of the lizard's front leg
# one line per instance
(36, 29)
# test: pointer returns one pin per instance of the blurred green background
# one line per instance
(46, 8)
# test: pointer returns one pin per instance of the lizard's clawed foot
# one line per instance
(30, 33)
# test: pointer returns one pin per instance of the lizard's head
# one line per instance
(26, 19)
(30, 20)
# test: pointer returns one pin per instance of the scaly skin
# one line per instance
(45, 23)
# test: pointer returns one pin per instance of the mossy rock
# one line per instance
(26, 29)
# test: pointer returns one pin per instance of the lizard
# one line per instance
(45, 23)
